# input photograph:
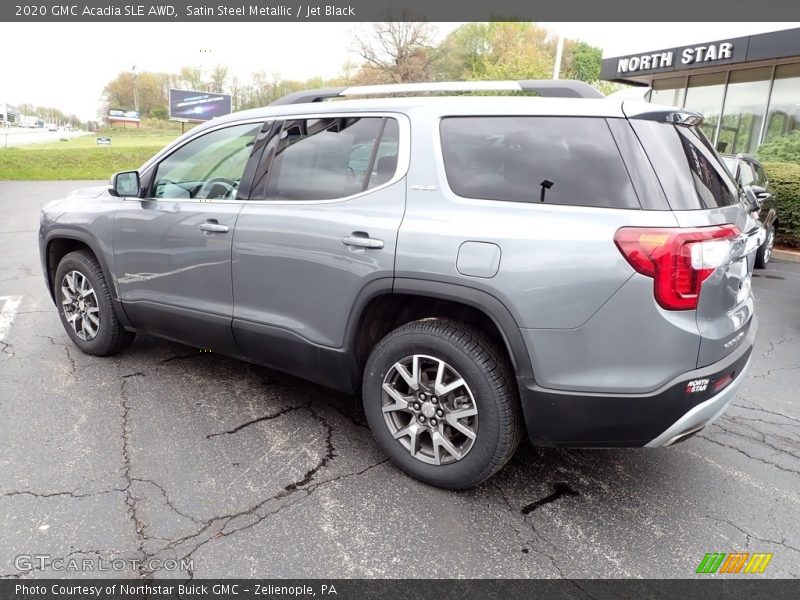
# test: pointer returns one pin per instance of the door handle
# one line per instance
(213, 227)
(362, 240)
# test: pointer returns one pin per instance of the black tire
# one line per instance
(764, 252)
(111, 337)
(484, 368)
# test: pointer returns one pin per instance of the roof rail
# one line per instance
(550, 88)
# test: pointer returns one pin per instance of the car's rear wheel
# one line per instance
(764, 252)
(441, 400)
(85, 307)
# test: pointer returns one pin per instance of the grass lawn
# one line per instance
(82, 158)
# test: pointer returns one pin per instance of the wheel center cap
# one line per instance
(428, 410)
(81, 305)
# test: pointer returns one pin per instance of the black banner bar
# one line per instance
(711, 587)
(398, 10)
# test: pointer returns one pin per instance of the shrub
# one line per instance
(785, 149)
(785, 180)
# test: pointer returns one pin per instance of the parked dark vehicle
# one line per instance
(571, 266)
(747, 171)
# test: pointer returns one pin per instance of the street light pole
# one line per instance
(135, 97)
(559, 53)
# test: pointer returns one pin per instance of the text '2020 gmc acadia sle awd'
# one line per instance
(474, 266)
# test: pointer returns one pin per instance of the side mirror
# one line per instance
(124, 183)
(756, 195)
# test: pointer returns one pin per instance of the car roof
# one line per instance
(438, 106)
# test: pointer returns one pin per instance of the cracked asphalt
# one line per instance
(167, 452)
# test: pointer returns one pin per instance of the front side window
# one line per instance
(208, 167)
(760, 175)
(746, 174)
(332, 158)
(552, 160)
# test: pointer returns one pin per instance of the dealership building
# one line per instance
(8, 113)
(747, 88)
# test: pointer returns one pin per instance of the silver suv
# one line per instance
(473, 266)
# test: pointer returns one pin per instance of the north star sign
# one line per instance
(687, 56)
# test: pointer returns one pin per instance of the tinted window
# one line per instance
(730, 163)
(326, 159)
(711, 180)
(689, 170)
(208, 167)
(746, 174)
(761, 176)
(533, 159)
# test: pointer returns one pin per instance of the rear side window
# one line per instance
(327, 159)
(690, 171)
(554, 160)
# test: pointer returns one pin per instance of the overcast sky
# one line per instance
(70, 70)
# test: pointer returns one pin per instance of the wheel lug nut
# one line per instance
(416, 405)
(434, 399)
(421, 396)
(439, 413)
(434, 422)
(422, 418)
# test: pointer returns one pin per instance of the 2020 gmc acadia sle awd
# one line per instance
(474, 266)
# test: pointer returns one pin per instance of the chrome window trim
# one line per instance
(403, 155)
(157, 158)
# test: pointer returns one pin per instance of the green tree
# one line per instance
(584, 62)
(784, 149)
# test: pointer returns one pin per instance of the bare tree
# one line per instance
(218, 79)
(396, 52)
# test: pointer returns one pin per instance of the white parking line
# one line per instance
(9, 304)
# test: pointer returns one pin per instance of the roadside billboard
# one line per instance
(191, 105)
(123, 116)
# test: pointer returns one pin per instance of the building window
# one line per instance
(784, 105)
(670, 91)
(743, 113)
(704, 95)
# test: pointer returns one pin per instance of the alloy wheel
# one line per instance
(80, 305)
(430, 409)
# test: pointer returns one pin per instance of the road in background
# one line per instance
(167, 452)
(16, 136)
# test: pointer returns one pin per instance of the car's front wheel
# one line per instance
(85, 307)
(441, 400)
(764, 252)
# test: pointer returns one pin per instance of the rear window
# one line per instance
(555, 160)
(690, 171)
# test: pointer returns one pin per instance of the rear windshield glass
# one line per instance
(554, 160)
(690, 171)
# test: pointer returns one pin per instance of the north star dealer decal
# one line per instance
(688, 56)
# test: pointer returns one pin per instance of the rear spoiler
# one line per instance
(660, 113)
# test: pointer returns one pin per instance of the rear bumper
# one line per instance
(666, 416)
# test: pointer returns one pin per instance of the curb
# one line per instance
(789, 255)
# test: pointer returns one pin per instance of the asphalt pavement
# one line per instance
(165, 452)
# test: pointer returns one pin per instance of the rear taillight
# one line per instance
(677, 259)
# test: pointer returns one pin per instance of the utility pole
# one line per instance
(135, 97)
(559, 53)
